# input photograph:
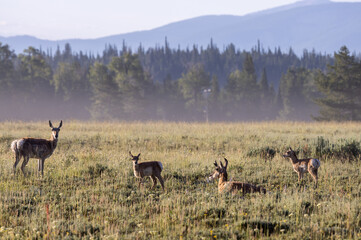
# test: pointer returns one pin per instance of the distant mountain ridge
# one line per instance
(312, 24)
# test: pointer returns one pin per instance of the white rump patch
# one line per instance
(160, 165)
(14, 145)
(20, 143)
(316, 163)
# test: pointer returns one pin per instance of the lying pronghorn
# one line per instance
(35, 148)
(303, 165)
(144, 169)
(232, 186)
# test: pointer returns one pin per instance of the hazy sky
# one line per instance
(64, 19)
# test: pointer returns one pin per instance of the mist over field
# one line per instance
(295, 62)
(173, 85)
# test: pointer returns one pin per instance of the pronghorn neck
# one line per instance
(294, 158)
(222, 179)
(54, 141)
(135, 164)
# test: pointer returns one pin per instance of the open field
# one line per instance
(89, 191)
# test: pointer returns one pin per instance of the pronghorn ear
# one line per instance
(291, 149)
(61, 123)
(50, 124)
(138, 155)
(215, 163)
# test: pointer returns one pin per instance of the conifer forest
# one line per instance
(196, 84)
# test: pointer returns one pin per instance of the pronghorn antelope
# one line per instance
(144, 169)
(232, 186)
(35, 148)
(300, 166)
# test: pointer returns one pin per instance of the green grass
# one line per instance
(89, 191)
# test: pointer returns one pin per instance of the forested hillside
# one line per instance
(195, 84)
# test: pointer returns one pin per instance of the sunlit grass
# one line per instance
(90, 191)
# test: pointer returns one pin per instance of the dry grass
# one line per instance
(89, 191)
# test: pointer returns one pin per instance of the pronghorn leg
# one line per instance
(140, 182)
(39, 165)
(17, 160)
(154, 181)
(161, 180)
(299, 176)
(26, 160)
(42, 167)
(313, 173)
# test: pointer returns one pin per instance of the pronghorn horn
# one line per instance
(61, 123)
(291, 149)
(50, 124)
(130, 153)
(225, 159)
(221, 164)
(138, 154)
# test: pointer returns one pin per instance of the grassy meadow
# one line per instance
(89, 191)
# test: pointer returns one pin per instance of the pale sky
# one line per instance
(65, 19)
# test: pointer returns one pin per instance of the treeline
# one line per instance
(179, 85)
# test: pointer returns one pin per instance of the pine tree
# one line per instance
(340, 87)
(267, 98)
(192, 84)
(243, 92)
(295, 90)
(70, 81)
(134, 85)
(7, 69)
(106, 97)
(36, 74)
(214, 99)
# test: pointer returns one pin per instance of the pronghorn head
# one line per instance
(55, 130)
(290, 153)
(135, 159)
(220, 171)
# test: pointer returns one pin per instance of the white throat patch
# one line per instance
(215, 175)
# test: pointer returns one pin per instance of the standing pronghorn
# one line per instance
(144, 169)
(303, 165)
(232, 186)
(35, 148)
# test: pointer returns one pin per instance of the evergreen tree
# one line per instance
(215, 91)
(7, 69)
(295, 90)
(171, 101)
(106, 98)
(192, 85)
(214, 100)
(135, 86)
(243, 92)
(36, 74)
(340, 87)
(267, 99)
(70, 81)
